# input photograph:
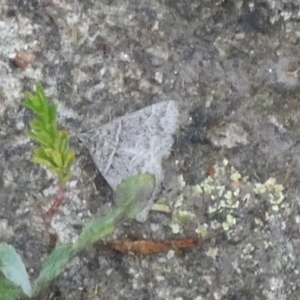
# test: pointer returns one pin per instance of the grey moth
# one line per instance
(134, 144)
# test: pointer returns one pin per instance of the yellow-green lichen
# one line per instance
(212, 252)
(201, 230)
(175, 228)
(230, 223)
(225, 194)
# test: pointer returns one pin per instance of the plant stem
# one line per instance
(60, 197)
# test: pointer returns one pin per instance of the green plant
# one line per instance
(53, 151)
(128, 198)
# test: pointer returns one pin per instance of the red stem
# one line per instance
(60, 197)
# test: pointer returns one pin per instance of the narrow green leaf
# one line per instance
(64, 142)
(13, 268)
(64, 179)
(128, 197)
(52, 114)
(69, 159)
(96, 230)
(53, 111)
(42, 161)
(8, 291)
(43, 138)
(38, 125)
(43, 156)
(32, 103)
(42, 97)
(50, 152)
(56, 157)
(29, 104)
(56, 143)
(39, 152)
(54, 266)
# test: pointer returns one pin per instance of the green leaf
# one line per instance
(64, 141)
(8, 291)
(54, 145)
(32, 102)
(52, 114)
(133, 194)
(37, 102)
(43, 138)
(64, 179)
(42, 161)
(42, 97)
(128, 196)
(56, 157)
(13, 268)
(40, 152)
(54, 266)
(70, 157)
(96, 230)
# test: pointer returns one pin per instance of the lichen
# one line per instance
(225, 195)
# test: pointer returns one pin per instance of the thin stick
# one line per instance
(293, 73)
(151, 247)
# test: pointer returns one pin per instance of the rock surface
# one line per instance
(223, 62)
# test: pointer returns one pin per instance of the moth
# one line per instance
(134, 144)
